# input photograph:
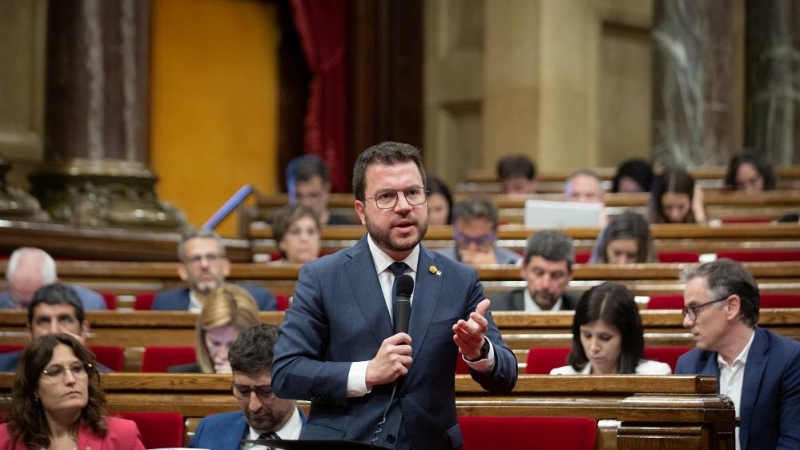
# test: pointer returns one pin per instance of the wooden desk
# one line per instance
(676, 412)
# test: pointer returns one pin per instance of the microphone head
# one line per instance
(405, 286)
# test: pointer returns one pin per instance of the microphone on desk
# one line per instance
(404, 287)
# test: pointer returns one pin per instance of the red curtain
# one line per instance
(322, 27)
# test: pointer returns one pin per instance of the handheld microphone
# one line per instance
(404, 286)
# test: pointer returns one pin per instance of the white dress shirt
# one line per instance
(731, 379)
(289, 431)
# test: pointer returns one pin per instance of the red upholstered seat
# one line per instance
(158, 430)
(528, 433)
(667, 355)
(541, 360)
(157, 359)
(110, 299)
(754, 255)
(778, 300)
(582, 257)
(10, 348)
(144, 301)
(282, 301)
(665, 301)
(110, 356)
(678, 257)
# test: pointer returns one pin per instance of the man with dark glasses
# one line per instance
(758, 369)
(475, 235)
(263, 415)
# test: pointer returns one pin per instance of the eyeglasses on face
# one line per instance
(690, 312)
(242, 392)
(196, 260)
(387, 198)
(56, 373)
(480, 241)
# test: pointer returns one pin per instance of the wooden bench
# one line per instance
(633, 412)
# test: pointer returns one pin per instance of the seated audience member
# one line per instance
(203, 266)
(262, 415)
(517, 174)
(547, 270)
(296, 230)
(440, 202)
(583, 186)
(475, 235)
(607, 335)
(55, 308)
(29, 269)
(228, 310)
(759, 370)
(57, 402)
(633, 175)
(625, 240)
(308, 183)
(675, 199)
(748, 172)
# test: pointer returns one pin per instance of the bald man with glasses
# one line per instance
(758, 369)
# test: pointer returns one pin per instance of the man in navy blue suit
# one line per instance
(204, 266)
(338, 347)
(758, 369)
(30, 268)
(55, 308)
(263, 415)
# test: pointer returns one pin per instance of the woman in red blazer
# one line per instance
(57, 402)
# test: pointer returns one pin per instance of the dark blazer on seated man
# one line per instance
(178, 299)
(515, 301)
(224, 431)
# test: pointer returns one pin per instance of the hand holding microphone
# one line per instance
(394, 357)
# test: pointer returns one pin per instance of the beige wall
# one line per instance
(214, 102)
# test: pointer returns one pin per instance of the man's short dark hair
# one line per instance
(57, 294)
(389, 153)
(552, 245)
(516, 166)
(308, 167)
(475, 208)
(201, 233)
(252, 352)
(726, 277)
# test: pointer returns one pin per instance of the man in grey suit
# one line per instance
(547, 270)
(338, 348)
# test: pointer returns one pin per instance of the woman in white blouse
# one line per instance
(607, 335)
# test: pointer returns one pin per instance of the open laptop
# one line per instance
(549, 214)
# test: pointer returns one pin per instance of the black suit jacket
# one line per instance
(515, 301)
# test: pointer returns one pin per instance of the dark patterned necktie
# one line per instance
(397, 268)
(273, 436)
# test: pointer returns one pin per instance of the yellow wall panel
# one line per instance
(214, 103)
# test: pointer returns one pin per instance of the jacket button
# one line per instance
(390, 439)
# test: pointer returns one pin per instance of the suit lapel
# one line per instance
(754, 368)
(426, 295)
(361, 275)
(244, 430)
(87, 439)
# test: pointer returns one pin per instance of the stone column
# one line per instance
(694, 81)
(96, 117)
(773, 79)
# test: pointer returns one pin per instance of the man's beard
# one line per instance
(544, 299)
(204, 287)
(383, 238)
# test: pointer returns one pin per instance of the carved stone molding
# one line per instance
(104, 193)
(16, 204)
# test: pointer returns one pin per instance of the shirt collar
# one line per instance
(383, 261)
(536, 308)
(289, 431)
(742, 358)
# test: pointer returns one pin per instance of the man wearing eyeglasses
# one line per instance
(204, 266)
(263, 415)
(369, 380)
(55, 308)
(475, 235)
(757, 368)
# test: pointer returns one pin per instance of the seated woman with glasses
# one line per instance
(607, 336)
(475, 224)
(296, 230)
(57, 402)
(228, 310)
(625, 240)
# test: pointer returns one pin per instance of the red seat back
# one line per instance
(779, 300)
(157, 359)
(110, 299)
(678, 257)
(582, 257)
(158, 430)
(110, 356)
(528, 433)
(282, 301)
(144, 301)
(665, 301)
(541, 360)
(754, 255)
(10, 348)
(667, 355)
